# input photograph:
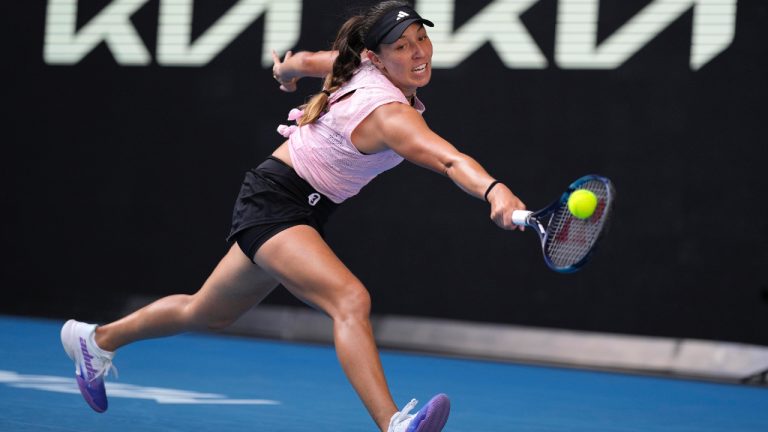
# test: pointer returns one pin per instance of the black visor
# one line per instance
(392, 25)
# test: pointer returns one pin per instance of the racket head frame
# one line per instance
(540, 220)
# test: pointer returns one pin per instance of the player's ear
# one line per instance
(374, 58)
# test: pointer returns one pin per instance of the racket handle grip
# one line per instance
(521, 217)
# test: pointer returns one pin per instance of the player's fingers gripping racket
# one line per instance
(570, 227)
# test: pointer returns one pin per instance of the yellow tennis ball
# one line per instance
(582, 203)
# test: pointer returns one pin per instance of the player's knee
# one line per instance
(355, 304)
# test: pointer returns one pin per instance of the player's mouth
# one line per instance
(420, 68)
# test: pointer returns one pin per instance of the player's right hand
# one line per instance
(503, 204)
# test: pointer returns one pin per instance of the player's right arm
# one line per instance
(402, 129)
(303, 64)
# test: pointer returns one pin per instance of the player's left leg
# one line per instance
(235, 285)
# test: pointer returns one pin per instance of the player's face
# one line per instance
(408, 61)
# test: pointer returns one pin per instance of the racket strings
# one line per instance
(569, 239)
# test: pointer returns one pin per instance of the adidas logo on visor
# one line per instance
(401, 15)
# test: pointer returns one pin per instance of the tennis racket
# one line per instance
(567, 241)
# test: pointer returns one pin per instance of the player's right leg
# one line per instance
(304, 263)
(236, 285)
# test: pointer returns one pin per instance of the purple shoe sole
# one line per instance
(98, 403)
(433, 416)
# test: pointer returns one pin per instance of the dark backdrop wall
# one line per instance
(119, 175)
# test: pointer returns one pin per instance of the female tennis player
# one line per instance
(366, 120)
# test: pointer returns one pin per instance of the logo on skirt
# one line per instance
(313, 198)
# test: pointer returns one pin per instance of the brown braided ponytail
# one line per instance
(349, 44)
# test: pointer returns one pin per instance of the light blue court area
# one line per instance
(211, 383)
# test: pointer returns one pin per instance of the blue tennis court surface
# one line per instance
(212, 383)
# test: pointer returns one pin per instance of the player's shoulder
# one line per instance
(397, 112)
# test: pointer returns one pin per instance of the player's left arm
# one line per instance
(404, 131)
(293, 67)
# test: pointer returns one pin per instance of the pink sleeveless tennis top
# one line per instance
(322, 152)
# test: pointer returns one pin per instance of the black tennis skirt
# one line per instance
(273, 198)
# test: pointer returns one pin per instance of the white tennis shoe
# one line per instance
(92, 363)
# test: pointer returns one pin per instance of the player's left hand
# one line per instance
(279, 72)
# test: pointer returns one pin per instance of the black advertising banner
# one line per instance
(130, 123)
